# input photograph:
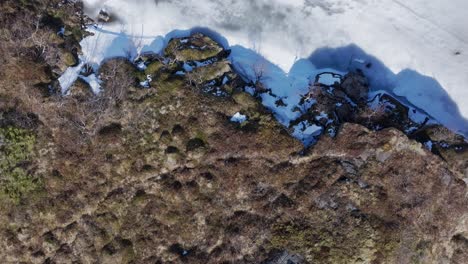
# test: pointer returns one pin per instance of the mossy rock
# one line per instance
(245, 100)
(211, 72)
(169, 85)
(69, 59)
(154, 68)
(194, 48)
(54, 38)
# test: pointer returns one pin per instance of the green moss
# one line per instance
(73, 31)
(211, 72)
(26, 3)
(69, 59)
(331, 245)
(202, 136)
(77, 33)
(58, 14)
(170, 85)
(140, 76)
(54, 38)
(245, 100)
(196, 54)
(154, 68)
(16, 150)
(197, 48)
(292, 237)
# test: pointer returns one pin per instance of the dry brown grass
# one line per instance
(118, 76)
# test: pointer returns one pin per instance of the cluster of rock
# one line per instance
(199, 59)
(348, 101)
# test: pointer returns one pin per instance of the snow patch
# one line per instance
(238, 118)
(94, 82)
(307, 132)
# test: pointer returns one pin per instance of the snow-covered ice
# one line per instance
(415, 49)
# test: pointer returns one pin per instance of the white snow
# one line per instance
(238, 118)
(94, 82)
(416, 49)
(328, 79)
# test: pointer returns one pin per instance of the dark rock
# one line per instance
(104, 16)
(330, 110)
(112, 129)
(356, 86)
(195, 143)
(385, 111)
(347, 102)
(453, 148)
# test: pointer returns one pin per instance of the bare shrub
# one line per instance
(372, 116)
(259, 69)
(118, 76)
(195, 78)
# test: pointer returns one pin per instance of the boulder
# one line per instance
(210, 72)
(356, 86)
(197, 47)
(217, 78)
(453, 148)
(104, 16)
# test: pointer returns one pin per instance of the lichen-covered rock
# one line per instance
(197, 47)
(453, 148)
(204, 64)
(210, 72)
(154, 68)
(217, 78)
(69, 59)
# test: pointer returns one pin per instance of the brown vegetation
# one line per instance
(160, 175)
